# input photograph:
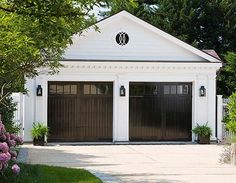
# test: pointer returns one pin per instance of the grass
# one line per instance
(50, 174)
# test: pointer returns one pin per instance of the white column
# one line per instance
(219, 116)
(211, 93)
(29, 109)
(122, 122)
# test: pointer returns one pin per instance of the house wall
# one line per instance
(121, 73)
(143, 44)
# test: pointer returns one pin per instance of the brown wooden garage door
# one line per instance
(80, 111)
(160, 111)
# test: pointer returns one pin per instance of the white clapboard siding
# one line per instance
(143, 44)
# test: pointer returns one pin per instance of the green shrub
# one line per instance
(226, 119)
(231, 119)
(39, 130)
(7, 110)
(202, 130)
(231, 126)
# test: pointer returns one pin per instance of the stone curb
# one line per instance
(23, 155)
(105, 178)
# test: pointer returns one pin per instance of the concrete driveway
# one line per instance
(142, 163)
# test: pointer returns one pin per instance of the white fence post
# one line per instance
(22, 114)
(219, 117)
(18, 98)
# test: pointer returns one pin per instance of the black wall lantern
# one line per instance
(202, 91)
(122, 91)
(39, 91)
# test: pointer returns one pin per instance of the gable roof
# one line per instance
(204, 54)
(212, 53)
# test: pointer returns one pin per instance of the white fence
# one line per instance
(226, 135)
(18, 98)
(223, 133)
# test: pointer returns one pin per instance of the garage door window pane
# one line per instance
(59, 89)
(166, 89)
(137, 90)
(180, 89)
(52, 89)
(155, 90)
(173, 89)
(103, 89)
(148, 89)
(66, 89)
(86, 89)
(185, 89)
(109, 90)
(151, 89)
(73, 89)
(93, 89)
(100, 90)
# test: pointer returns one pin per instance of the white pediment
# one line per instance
(145, 43)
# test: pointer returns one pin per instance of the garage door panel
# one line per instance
(160, 111)
(176, 125)
(83, 113)
(144, 122)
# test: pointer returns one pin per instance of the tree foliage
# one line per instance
(115, 6)
(231, 122)
(227, 76)
(34, 34)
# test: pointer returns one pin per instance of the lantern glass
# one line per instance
(122, 91)
(202, 91)
(39, 91)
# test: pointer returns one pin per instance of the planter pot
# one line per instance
(39, 141)
(203, 139)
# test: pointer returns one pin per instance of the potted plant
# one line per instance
(203, 133)
(39, 132)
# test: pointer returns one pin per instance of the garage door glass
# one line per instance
(80, 111)
(160, 111)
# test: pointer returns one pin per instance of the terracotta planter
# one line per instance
(203, 139)
(39, 142)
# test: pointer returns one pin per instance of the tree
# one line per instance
(227, 77)
(34, 34)
(115, 6)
